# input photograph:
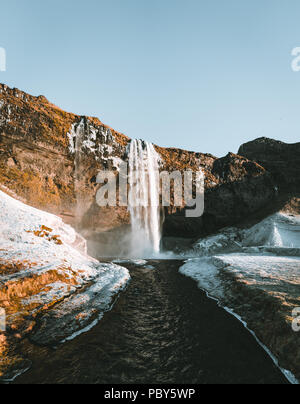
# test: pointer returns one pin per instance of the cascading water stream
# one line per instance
(79, 135)
(143, 199)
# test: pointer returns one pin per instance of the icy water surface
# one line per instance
(163, 329)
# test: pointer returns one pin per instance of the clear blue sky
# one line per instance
(205, 75)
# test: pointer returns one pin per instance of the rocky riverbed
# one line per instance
(162, 329)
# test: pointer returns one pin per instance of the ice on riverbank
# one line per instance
(261, 291)
(39, 242)
(271, 274)
(256, 273)
(279, 234)
(280, 230)
(45, 271)
(266, 255)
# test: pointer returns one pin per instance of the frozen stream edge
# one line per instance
(287, 373)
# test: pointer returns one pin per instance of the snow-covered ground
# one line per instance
(265, 255)
(262, 261)
(38, 246)
(279, 232)
(272, 274)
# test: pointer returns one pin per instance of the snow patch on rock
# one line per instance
(278, 232)
(22, 240)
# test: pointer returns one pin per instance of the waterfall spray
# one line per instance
(143, 198)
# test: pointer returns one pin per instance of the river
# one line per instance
(162, 329)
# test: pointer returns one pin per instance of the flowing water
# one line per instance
(144, 199)
(163, 329)
(79, 136)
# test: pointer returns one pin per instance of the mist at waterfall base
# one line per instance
(142, 238)
(143, 200)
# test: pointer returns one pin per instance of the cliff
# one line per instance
(50, 158)
(279, 158)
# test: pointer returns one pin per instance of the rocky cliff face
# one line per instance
(282, 160)
(38, 159)
(235, 189)
(50, 159)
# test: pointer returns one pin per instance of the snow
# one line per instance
(96, 141)
(206, 274)
(72, 136)
(275, 234)
(264, 272)
(80, 312)
(265, 257)
(116, 162)
(280, 230)
(227, 240)
(18, 244)
(18, 219)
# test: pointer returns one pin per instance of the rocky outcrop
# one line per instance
(38, 160)
(235, 189)
(280, 159)
(50, 159)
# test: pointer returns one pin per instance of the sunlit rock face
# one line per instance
(59, 154)
(56, 154)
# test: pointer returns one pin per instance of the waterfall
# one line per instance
(79, 136)
(143, 199)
